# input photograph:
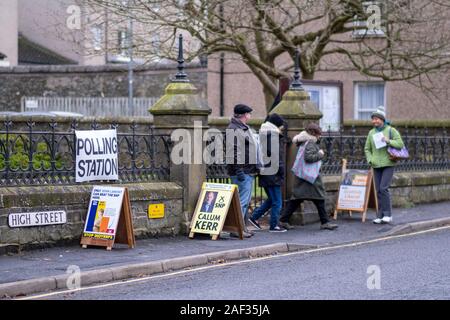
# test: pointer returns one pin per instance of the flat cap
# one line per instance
(241, 109)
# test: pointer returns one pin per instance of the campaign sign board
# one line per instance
(104, 212)
(218, 208)
(352, 192)
(356, 191)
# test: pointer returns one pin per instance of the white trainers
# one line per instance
(377, 221)
(387, 219)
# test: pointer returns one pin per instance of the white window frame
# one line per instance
(356, 109)
(374, 33)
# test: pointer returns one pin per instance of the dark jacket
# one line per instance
(244, 134)
(204, 209)
(303, 189)
(266, 132)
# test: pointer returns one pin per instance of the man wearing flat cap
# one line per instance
(241, 156)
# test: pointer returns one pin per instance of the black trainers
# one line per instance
(277, 229)
(286, 225)
(254, 223)
(328, 226)
(244, 233)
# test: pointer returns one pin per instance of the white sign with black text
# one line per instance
(97, 155)
(33, 219)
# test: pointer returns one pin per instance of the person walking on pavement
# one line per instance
(271, 182)
(303, 190)
(242, 159)
(379, 160)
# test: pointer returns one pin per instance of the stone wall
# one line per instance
(433, 127)
(428, 128)
(75, 201)
(407, 190)
(88, 81)
(41, 122)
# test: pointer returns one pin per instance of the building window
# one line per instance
(327, 98)
(155, 43)
(97, 37)
(4, 61)
(373, 25)
(123, 43)
(368, 96)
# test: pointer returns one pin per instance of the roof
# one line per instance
(33, 53)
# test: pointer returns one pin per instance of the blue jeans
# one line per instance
(245, 191)
(273, 201)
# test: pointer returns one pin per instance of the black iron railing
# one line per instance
(427, 152)
(44, 153)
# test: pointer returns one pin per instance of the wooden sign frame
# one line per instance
(370, 198)
(124, 231)
(233, 222)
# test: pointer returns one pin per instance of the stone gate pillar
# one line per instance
(298, 110)
(181, 107)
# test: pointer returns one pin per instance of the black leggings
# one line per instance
(292, 205)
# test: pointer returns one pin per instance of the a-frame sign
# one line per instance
(218, 209)
(109, 219)
(356, 192)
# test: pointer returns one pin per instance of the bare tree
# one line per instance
(392, 40)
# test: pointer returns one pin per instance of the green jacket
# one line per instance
(379, 158)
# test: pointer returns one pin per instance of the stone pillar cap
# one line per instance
(297, 105)
(180, 98)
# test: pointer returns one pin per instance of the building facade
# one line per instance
(67, 32)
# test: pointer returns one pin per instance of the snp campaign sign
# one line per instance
(97, 155)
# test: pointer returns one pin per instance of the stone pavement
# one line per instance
(55, 261)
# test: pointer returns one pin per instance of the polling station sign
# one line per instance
(96, 155)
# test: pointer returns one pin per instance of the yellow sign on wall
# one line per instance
(156, 211)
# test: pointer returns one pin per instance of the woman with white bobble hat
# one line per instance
(379, 139)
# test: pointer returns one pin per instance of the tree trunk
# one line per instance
(269, 99)
(308, 76)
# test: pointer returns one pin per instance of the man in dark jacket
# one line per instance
(208, 202)
(241, 156)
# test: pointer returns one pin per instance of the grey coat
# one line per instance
(303, 189)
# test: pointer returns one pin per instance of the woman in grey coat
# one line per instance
(303, 190)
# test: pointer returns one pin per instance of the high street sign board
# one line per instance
(34, 219)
